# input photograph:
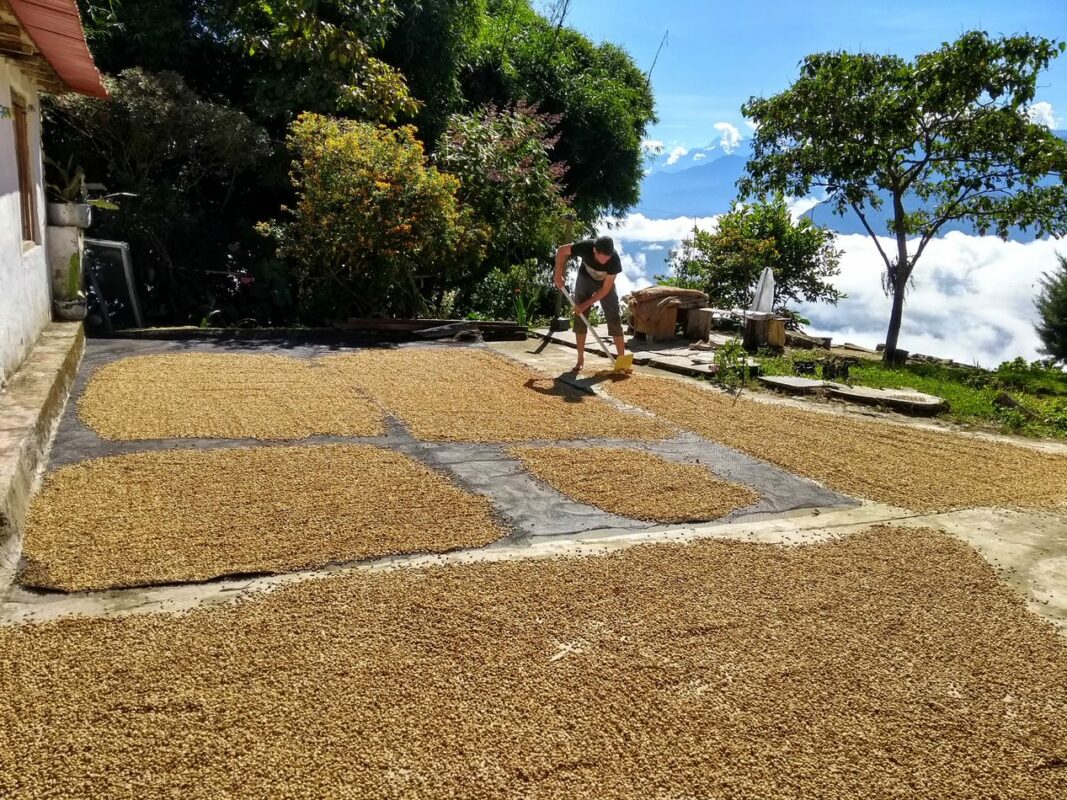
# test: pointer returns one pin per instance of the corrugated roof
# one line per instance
(56, 30)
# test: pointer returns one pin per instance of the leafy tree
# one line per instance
(376, 60)
(726, 263)
(944, 137)
(374, 230)
(506, 177)
(1051, 305)
(194, 38)
(271, 59)
(182, 158)
(604, 100)
(431, 43)
(322, 54)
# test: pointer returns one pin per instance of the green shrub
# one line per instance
(522, 293)
(1037, 377)
(727, 262)
(732, 362)
(375, 230)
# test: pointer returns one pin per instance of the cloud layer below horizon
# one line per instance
(972, 298)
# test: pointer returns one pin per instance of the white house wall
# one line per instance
(25, 299)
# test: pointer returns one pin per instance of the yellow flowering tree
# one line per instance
(374, 229)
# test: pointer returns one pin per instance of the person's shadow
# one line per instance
(570, 386)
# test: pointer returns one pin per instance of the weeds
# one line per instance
(972, 393)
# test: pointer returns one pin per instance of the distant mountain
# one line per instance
(709, 186)
(666, 162)
(702, 190)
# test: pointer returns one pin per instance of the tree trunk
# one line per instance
(895, 317)
(898, 281)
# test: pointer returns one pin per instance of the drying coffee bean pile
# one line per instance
(182, 515)
(467, 395)
(635, 484)
(896, 464)
(225, 396)
(887, 664)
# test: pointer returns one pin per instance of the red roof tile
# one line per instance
(55, 28)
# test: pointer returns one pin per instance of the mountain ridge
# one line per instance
(709, 186)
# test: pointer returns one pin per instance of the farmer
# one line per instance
(595, 284)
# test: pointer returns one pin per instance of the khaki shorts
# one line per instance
(584, 288)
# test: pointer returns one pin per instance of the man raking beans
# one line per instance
(600, 264)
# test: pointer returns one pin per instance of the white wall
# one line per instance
(25, 299)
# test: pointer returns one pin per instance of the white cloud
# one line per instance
(639, 228)
(1041, 113)
(972, 299)
(752, 124)
(653, 146)
(677, 153)
(699, 156)
(798, 206)
(635, 272)
(731, 136)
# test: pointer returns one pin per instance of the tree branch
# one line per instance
(863, 219)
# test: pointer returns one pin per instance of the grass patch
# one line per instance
(972, 393)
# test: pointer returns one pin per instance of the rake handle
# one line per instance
(589, 327)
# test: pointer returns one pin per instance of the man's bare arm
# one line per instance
(562, 254)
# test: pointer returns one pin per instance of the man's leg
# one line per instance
(580, 341)
(584, 288)
(613, 315)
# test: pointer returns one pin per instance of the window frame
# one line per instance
(29, 221)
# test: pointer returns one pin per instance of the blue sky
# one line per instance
(720, 54)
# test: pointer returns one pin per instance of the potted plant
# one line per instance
(68, 206)
(69, 216)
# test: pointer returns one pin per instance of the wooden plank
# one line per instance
(16, 43)
(496, 330)
(421, 324)
(16, 49)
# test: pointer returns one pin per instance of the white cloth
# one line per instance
(763, 299)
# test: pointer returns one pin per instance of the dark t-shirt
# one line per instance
(596, 270)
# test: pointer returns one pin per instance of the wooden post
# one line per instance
(755, 333)
(698, 326)
(764, 332)
(776, 333)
